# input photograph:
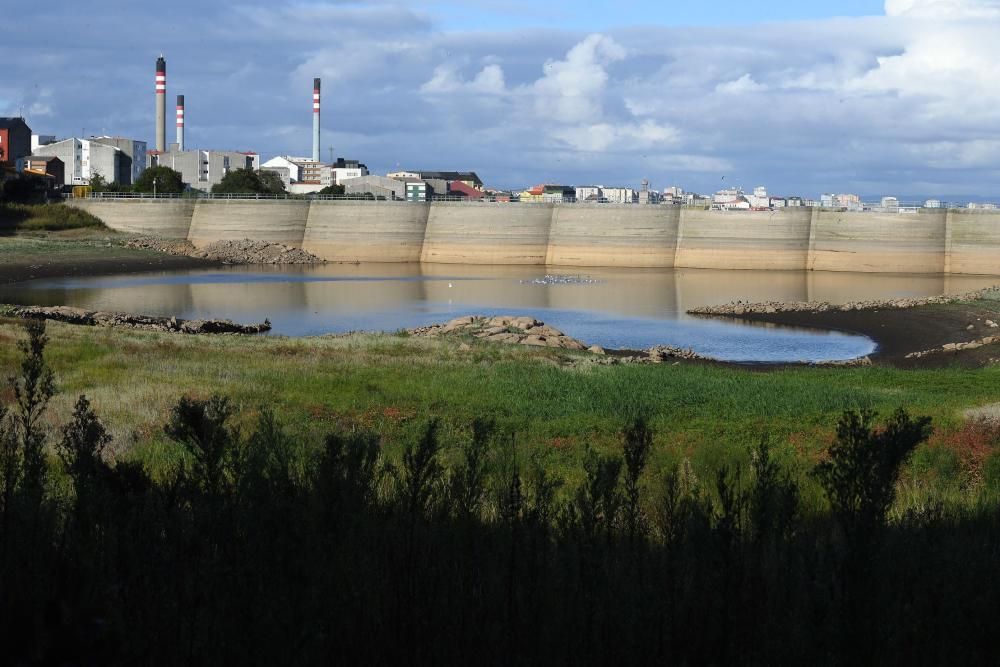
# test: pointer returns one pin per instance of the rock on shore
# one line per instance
(955, 347)
(144, 322)
(531, 332)
(231, 252)
(504, 329)
(738, 308)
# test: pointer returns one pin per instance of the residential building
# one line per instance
(344, 169)
(41, 140)
(759, 199)
(460, 189)
(305, 175)
(649, 197)
(793, 202)
(728, 196)
(890, 204)
(15, 140)
(932, 203)
(778, 202)
(549, 193)
(45, 166)
(589, 193)
(133, 158)
(620, 195)
(82, 158)
(203, 169)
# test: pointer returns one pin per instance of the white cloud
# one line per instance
(742, 85)
(571, 90)
(943, 9)
(616, 137)
(447, 79)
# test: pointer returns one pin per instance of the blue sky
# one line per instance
(894, 97)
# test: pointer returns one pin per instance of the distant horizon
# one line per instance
(856, 96)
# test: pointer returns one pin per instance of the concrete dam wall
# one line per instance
(926, 241)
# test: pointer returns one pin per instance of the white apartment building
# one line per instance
(620, 195)
(589, 193)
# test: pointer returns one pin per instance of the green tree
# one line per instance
(332, 190)
(239, 182)
(271, 182)
(167, 180)
(860, 475)
(99, 184)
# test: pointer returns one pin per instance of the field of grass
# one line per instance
(708, 415)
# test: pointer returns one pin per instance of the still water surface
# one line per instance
(616, 308)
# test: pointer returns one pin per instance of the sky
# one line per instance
(895, 97)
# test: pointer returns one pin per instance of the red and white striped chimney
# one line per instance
(316, 120)
(161, 104)
(180, 122)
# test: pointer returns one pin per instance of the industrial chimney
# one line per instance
(161, 104)
(316, 120)
(180, 122)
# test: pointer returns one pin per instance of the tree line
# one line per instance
(259, 549)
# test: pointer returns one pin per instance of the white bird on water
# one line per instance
(449, 284)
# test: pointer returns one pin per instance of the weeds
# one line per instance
(256, 548)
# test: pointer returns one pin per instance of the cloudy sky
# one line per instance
(896, 97)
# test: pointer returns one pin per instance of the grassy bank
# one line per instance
(21, 218)
(709, 415)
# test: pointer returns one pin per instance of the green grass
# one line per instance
(45, 218)
(708, 415)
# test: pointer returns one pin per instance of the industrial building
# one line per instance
(469, 178)
(15, 140)
(133, 156)
(379, 186)
(107, 156)
(200, 169)
(203, 169)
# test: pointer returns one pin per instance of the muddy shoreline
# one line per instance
(902, 332)
(22, 271)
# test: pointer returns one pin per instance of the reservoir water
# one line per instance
(615, 308)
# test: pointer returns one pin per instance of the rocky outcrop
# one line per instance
(126, 321)
(231, 252)
(738, 308)
(504, 329)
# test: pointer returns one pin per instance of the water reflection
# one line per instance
(624, 308)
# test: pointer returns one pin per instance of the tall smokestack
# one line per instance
(161, 104)
(180, 122)
(316, 120)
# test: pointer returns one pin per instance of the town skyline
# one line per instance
(807, 105)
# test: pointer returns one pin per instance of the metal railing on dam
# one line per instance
(935, 241)
(901, 207)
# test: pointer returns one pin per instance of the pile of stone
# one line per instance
(255, 252)
(168, 246)
(956, 347)
(231, 252)
(143, 322)
(737, 308)
(505, 329)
